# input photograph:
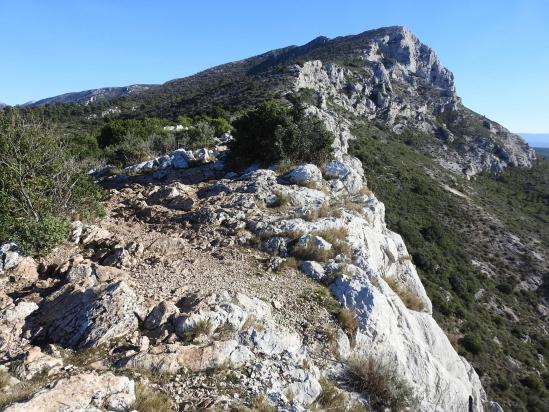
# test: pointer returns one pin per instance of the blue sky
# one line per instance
(498, 50)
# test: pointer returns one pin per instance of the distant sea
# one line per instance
(539, 141)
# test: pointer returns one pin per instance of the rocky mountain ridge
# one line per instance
(384, 76)
(122, 285)
(93, 95)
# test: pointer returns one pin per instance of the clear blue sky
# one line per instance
(497, 49)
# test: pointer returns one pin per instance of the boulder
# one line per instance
(276, 245)
(10, 256)
(304, 175)
(82, 392)
(25, 271)
(160, 315)
(77, 316)
(12, 322)
(35, 362)
(172, 358)
(412, 342)
(314, 242)
(312, 269)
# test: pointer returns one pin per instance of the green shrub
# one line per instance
(271, 132)
(201, 134)
(43, 185)
(471, 344)
(127, 152)
(532, 382)
(38, 238)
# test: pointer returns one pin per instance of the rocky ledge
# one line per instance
(224, 289)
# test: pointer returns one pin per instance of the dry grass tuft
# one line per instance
(202, 327)
(348, 321)
(23, 390)
(148, 400)
(410, 300)
(258, 404)
(384, 387)
(282, 199)
(309, 252)
(331, 398)
(4, 379)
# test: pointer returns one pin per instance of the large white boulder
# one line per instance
(304, 175)
(410, 341)
(82, 392)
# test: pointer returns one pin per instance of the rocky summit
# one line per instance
(275, 284)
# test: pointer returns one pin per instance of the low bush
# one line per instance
(471, 343)
(38, 238)
(272, 132)
(380, 382)
(43, 185)
(148, 400)
(348, 321)
(330, 398)
(410, 299)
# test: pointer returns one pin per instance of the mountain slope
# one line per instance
(385, 75)
(93, 95)
(475, 225)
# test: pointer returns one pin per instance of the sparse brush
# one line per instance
(289, 263)
(381, 382)
(410, 300)
(330, 399)
(148, 400)
(284, 167)
(282, 199)
(321, 295)
(325, 210)
(23, 390)
(348, 321)
(202, 327)
(4, 379)
(258, 404)
(366, 191)
(225, 332)
(337, 237)
(310, 252)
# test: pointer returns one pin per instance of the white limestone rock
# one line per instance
(304, 175)
(83, 392)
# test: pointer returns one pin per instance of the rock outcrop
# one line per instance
(84, 392)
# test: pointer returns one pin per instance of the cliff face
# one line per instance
(386, 76)
(392, 78)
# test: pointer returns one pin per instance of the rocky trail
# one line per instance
(222, 289)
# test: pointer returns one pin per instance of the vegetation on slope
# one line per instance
(461, 247)
(42, 185)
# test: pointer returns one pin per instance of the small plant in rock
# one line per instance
(380, 382)
(325, 210)
(410, 300)
(225, 332)
(23, 390)
(4, 379)
(282, 199)
(310, 252)
(330, 398)
(202, 327)
(252, 322)
(258, 404)
(289, 263)
(337, 236)
(348, 321)
(148, 400)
